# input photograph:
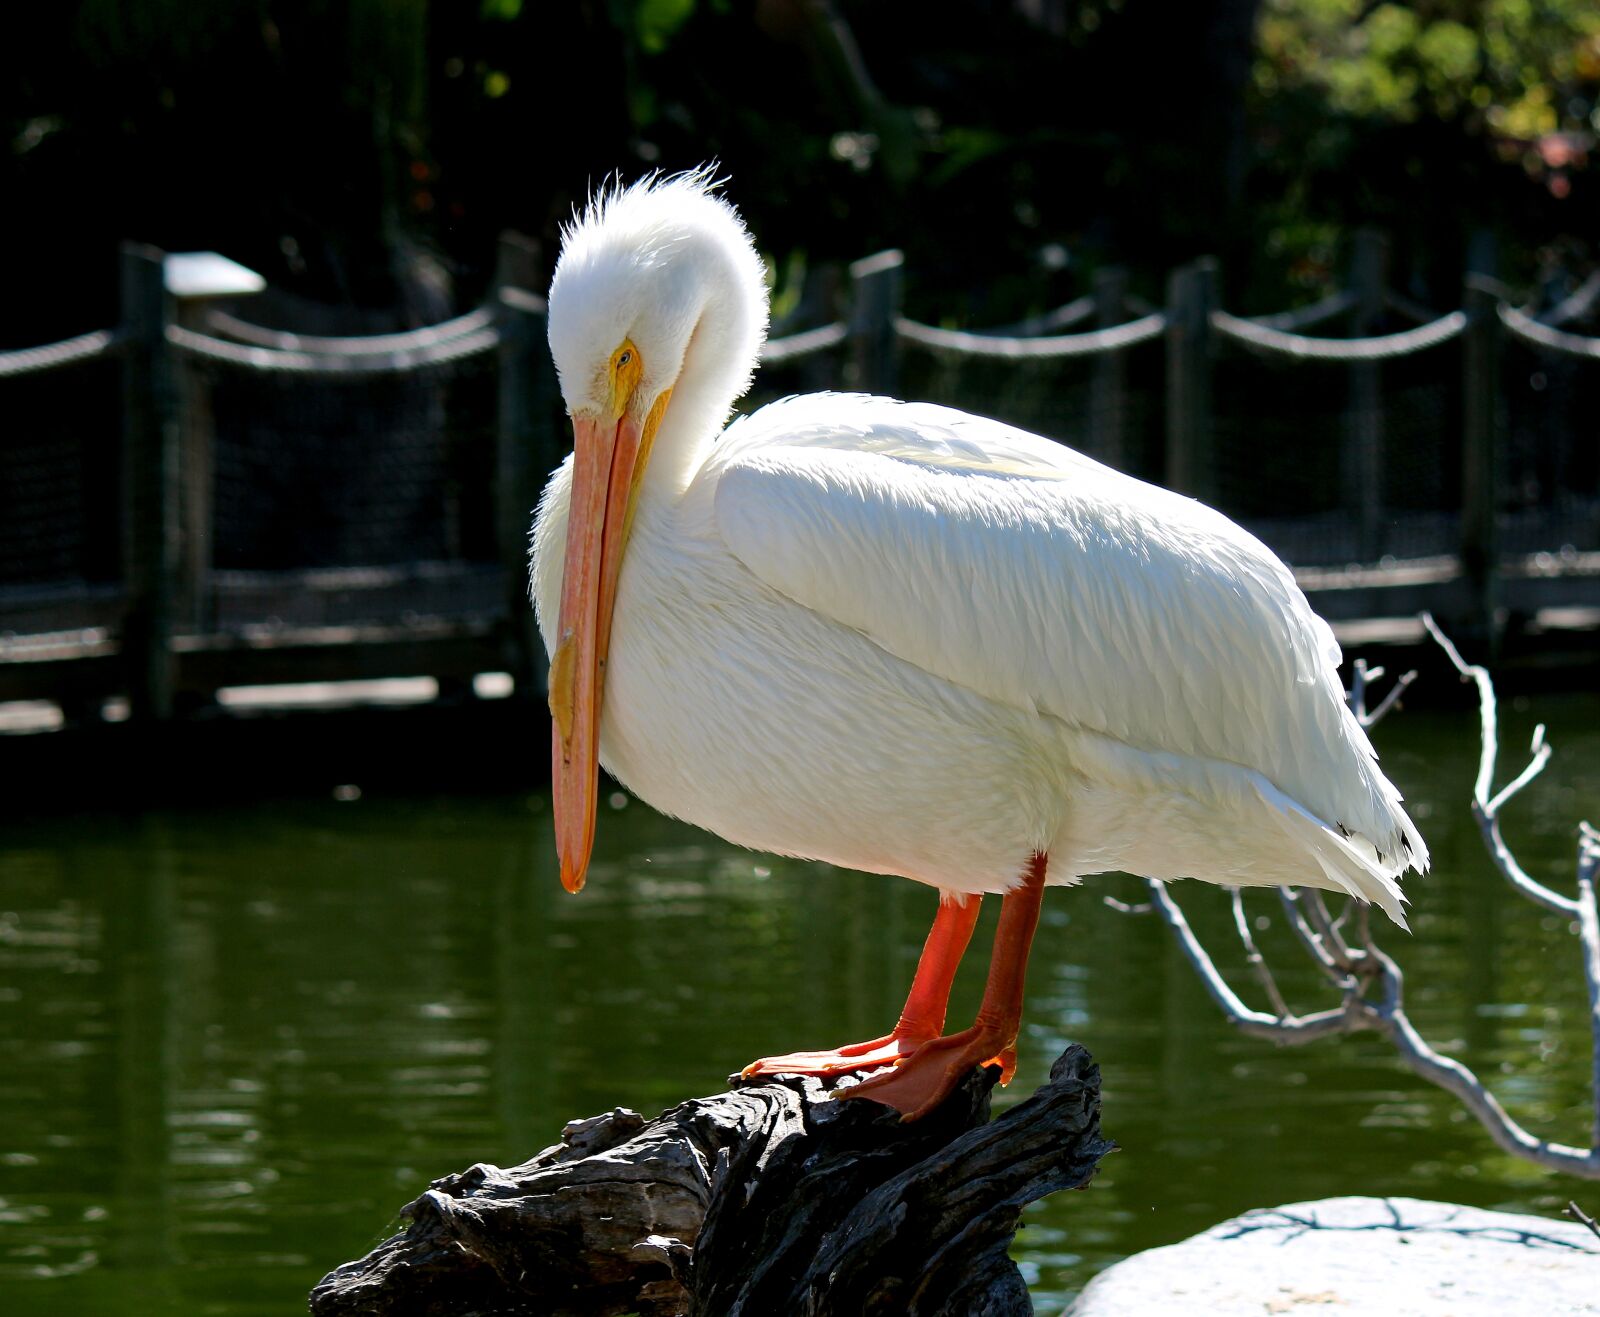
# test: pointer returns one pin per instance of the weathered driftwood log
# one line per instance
(766, 1199)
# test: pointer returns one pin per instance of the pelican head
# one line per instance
(659, 301)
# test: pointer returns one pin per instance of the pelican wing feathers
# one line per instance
(1042, 579)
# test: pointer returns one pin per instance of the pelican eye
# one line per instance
(624, 369)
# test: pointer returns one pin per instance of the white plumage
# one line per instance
(908, 640)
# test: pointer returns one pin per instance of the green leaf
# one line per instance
(656, 20)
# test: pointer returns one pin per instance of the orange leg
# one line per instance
(922, 1019)
(923, 1080)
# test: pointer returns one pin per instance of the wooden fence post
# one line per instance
(1362, 467)
(1108, 397)
(1191, 466)
(876, 285)
(1481, 456)
(820, 303)
(194, 282)
(150, 503)
(527, 448)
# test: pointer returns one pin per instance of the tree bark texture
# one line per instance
(770, 1198)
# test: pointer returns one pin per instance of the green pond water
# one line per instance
(233, 1042)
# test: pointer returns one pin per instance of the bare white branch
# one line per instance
(1356, 696)
(1485, 809)
(1257, 1024)
(1371, 982)
(1317, 907)
(1311, 940)
(1489, 741)
(1258, 962)
(1513, 872)
(1390, 700)
(1541, 756)
(1361, 679)
(1446, 1072)
(1583, 1218)
(1589, 935)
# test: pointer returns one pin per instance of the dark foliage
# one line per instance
(366, 152)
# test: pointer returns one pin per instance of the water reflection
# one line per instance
(232, 1042)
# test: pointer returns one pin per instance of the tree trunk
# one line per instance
(767, 1199)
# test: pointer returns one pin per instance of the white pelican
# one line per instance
(907, 640)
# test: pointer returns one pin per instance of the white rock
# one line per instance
(1347, 1257)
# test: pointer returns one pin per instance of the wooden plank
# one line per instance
(83, 661)
(1402, 598)
(338, 596)
(27, 611)
(339, 654)
(78, 667)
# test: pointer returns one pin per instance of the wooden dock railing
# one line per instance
(175, 621)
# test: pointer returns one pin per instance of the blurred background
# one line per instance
(369, 154)
(279, 936)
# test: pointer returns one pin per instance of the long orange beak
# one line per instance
(606, 460)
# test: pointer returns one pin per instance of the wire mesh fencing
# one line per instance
(349, 473)
(60, 462)
(1552, 428)
(192, 473)
(1104, 403)
(1339, 455)
(199, 477)
(58, 498)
